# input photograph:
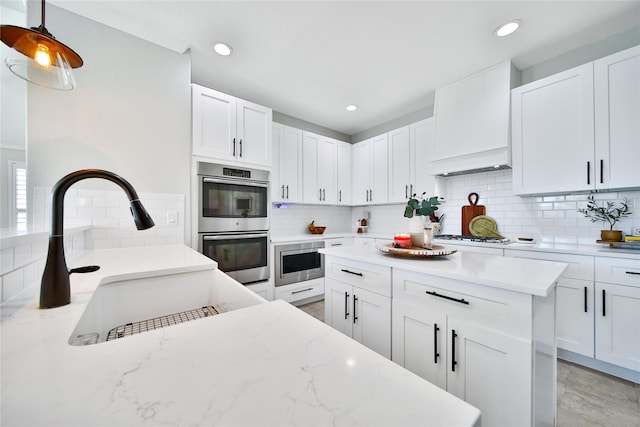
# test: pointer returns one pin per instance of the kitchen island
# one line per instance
(259, 363)
(480, 326)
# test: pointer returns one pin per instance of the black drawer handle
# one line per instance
(460, 300)
(604, 299)
(344, 270)
(601, 171)
(453, 350)
(435, 343)
(585, 299)
(302, 290)
(637, 273)
(355, 316)
(588, 173)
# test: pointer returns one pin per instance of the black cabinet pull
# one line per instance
(240, 148)
(344, 270)
(637, 273)
(601, 171)
(588, 173)
(435, 343)
(234, 147)
(604, 308)
(460, 300)
(302, 290)
(346, 305)
(320, 194)
(406, 191)
(324, 194)
(287, 192)
(453, 350)
(355, 316)
(410, 190)
(585, 299)
(283, 191)
(371, 195)
(340, 195)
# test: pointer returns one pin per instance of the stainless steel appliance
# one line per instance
(232, 199)
(233, 220)
(297, 262)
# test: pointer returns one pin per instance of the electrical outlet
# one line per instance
(636, 230)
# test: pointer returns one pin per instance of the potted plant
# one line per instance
(608, 213)
(419, 210)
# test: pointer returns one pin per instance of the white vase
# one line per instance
(417, 225)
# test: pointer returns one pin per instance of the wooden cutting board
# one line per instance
(470, 212)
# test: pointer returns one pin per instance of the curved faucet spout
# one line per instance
(55, 289)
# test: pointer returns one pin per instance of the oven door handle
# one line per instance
(236, 182)
(233, 236)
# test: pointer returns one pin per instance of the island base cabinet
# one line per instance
(360, 314)
(575, 316)
(480, 366)
(618, 325)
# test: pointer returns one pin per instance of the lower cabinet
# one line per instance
(357, 302)
(478, 345)
(300, 291)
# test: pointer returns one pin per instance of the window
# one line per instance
(18, 181)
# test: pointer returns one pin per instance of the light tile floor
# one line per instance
(586, 398)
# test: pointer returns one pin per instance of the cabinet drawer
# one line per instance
(505, 311)
(300, 290)
(367, 276)
(580, 266)
(621, 271)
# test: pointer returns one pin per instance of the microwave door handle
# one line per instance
(234, 236)
(236, 182)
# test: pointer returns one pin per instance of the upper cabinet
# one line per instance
(319, 166)
(344, 173)
(579, 130)
(409, 166)
(472, 121)
(370, 171)
(230, 129)
(286, 179)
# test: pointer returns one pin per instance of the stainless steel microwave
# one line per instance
(297, 262)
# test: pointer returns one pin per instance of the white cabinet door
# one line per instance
(253, 128)
(418, 341)
(361, 161)
(618, 324)
(401, 165)
(327, 170)
(310, 189)
(337, 305)
(344, 173)
(422, 143)
(371, 320)
(575, 315)
(617, 119)
(486, 369)
(553, 134)
(379, 173)
(287, 176)
(214, 123)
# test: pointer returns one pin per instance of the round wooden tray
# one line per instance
(415, 251)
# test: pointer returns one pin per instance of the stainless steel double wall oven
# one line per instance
(233, 220)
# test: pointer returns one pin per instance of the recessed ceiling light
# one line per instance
(508, 28)
(221, 48)
(351, 107)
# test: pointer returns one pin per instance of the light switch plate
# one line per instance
(636, 230)
(172, 218)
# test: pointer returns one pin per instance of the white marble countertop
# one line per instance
(268, 364)
(514, 274)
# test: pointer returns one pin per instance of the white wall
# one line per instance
(130, 114)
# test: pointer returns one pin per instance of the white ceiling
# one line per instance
(309, 59)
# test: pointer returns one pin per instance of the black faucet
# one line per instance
(55, 290)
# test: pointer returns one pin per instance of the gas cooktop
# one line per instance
(481, 239)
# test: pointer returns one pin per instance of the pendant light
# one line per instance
(44, 60)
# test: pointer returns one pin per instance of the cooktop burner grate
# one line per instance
(160, 322)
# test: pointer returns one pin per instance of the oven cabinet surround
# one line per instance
(408, 157)
(357, 302)
(286, 176)
(370, 171)
(578, 130)
(575, 298)
(229, 129)
(263, 356)
(319, 169)
(497, 352)
(472, 121)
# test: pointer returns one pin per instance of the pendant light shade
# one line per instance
(42, 59)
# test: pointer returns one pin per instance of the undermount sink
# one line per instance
(137, 305)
